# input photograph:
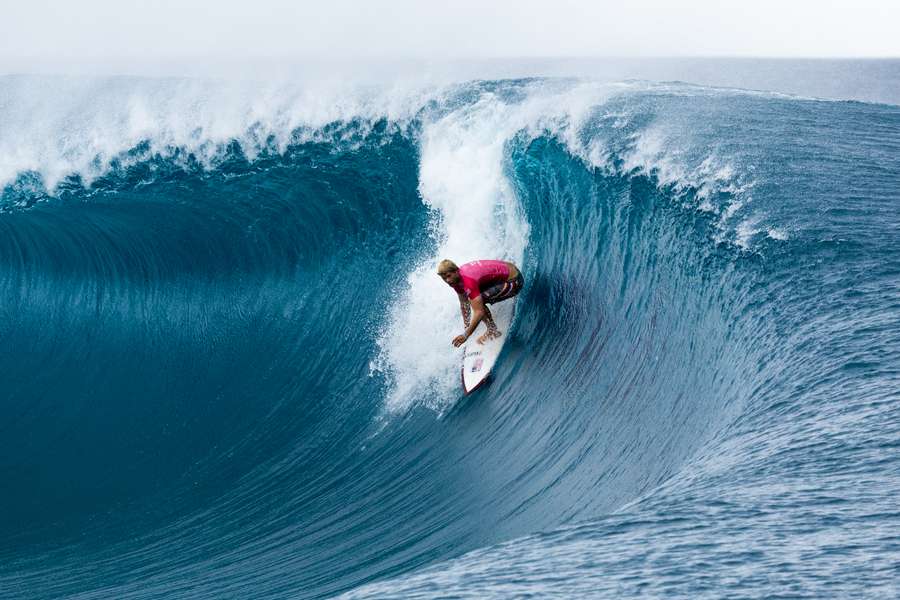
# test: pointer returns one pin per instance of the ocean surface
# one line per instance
(225, 359)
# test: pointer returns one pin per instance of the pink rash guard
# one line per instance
(479, 274)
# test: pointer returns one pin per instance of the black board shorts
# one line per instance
(503, 290)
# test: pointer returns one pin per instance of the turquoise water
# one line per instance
(227, 360)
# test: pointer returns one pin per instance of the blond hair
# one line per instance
(446, 266)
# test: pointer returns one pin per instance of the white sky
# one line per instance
(148, 30)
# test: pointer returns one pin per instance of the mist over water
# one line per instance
(227, 360)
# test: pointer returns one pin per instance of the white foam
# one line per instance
(60, 126)
(746, 230)
(777, 234)
(476, 216)
(669, 155)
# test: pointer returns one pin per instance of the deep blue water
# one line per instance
(226, 361)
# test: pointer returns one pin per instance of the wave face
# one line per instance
(227, 369)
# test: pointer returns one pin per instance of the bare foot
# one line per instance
(490, 335)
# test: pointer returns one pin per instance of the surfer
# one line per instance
(479, 283)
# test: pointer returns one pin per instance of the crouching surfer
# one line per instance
(479, 283)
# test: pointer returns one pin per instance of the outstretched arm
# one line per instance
(478, 309)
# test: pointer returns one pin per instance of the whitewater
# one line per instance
(227, 368)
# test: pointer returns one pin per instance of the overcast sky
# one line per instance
(301, 29)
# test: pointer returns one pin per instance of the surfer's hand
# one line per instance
(459, 340)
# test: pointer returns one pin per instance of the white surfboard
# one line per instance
(479, 359)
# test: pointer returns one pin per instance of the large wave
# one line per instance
(228, 367)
